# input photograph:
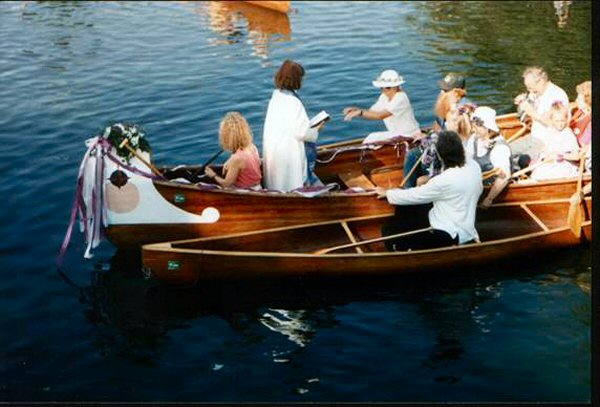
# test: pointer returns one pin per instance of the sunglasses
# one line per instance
(477, 121)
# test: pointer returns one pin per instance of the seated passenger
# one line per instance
(447, 203)
(457, 120)
(581, 122)
(490, 151)
(392, 107)
(450, 100)
(242, 169)
(560, 147)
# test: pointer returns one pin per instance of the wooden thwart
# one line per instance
(351, 236)
(356, 179)
(365, 242)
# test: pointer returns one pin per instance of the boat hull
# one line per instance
(240, 256)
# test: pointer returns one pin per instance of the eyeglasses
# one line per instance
(387, 88)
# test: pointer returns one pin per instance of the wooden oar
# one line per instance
(530, 168)
(210, 160)
(125, 143)
(575, 215)
(364, 242)
(412, 170)
(519, 133)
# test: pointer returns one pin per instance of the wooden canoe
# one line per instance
(506, 231)
(280, 6)
(349, 164)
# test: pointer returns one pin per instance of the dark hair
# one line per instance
(289, 76)
(450, 148)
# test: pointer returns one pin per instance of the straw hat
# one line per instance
(388, 79)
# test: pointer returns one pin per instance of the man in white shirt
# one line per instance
(542, 93)
(393, 107)
(454, 194)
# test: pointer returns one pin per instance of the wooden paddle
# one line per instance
(575, 216)
(210, 160)
(125, 143)
(364, 242)
(412, 170)
(519, 133)
(525, 170)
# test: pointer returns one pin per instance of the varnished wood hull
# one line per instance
(249, 211)
(507, 232)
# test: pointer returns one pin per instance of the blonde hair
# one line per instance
(585, 89)
(559, 108)
(536, 72)
(234, 132)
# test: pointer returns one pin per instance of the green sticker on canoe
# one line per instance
(179, 198)
(173, 265)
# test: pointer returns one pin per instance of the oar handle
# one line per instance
(125, 143)
(210, 160)
(412, 170)
(364, 242)
(531, 167)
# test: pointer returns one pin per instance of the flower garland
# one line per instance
(118, 132)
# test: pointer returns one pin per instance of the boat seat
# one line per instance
(389, 176)
(356, 179)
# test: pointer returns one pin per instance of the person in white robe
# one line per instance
(285, 131)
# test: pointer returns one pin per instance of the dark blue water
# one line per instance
(513, 332)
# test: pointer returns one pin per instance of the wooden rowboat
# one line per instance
(506, 231)
(349, 164)
(280, 6)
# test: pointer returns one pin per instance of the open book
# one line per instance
(322, 116)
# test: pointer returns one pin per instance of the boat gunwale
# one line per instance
(168, 246)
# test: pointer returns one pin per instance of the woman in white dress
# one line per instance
(285, 131)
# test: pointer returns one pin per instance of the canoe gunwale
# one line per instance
(168, 246)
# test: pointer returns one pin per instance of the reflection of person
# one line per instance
(454, 194)
(491, 151)
(536, 104)
(242, 170)
(285, 131)
(393, 106)
(560, 146)
(562, 11)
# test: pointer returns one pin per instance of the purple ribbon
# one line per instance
(98, 208)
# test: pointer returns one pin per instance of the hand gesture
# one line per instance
(209, 172)
(380, 192)
(520, 98)
(351, 112)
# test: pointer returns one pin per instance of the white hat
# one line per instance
(388, 79)
(488, 116)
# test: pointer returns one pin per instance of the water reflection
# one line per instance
(263, 26)
(562, 11)
(135, 315)
(493, 67)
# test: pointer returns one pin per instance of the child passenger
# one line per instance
(560, 147)
(242, 169)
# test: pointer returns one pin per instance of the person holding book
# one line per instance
(242, 169)
(286, 130)
(392, 106)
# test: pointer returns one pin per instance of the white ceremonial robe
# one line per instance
(284, 133)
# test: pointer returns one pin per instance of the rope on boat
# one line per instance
(363, 149)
